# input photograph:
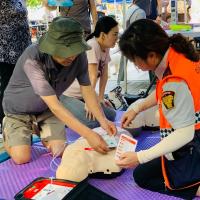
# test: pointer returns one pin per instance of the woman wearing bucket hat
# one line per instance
(41, 74)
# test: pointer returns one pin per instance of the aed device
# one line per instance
(59, 189)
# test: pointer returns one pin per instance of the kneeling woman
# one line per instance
(172, 165)
(101, 40)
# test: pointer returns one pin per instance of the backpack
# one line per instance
(128, 22)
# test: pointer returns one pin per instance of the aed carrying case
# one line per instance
(59, 189)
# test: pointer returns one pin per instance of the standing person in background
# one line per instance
(165, 14)
(80, 11)
(152, 8)
(133, 13)
(172, 165)
(156, 10)
(101, 40)
(14, 38)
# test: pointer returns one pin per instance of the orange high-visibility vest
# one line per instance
(180, 69)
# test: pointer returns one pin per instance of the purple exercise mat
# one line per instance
(15, 177)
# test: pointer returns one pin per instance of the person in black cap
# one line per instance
(31, 103)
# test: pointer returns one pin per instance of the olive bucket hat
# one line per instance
(64, 38)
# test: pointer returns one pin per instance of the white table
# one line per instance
(195, 32)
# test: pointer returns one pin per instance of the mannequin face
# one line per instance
(109, 40)
(150, 64)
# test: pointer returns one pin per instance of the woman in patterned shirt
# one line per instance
(14, 38)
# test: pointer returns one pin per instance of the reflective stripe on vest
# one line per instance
(164, 132)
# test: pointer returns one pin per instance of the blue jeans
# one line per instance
(76, 107)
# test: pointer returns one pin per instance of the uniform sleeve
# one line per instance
(178, 104)
(167, 145)
(37, 78)
(83, 76)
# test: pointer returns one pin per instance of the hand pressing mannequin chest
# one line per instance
(79, 161)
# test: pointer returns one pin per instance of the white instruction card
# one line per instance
(126, 143)
(52, 192)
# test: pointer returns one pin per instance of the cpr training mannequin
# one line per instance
(79, 160)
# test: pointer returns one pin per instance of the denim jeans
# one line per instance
(76, 107)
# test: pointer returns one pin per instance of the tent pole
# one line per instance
(185, 12)
(124, 60)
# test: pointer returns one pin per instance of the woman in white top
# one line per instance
(101, 40)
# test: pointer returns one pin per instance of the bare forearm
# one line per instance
(93, 11)
(102, 86)
(65, 116)
(91, 100)
(93, 80)
(159, 7)
(93, 72)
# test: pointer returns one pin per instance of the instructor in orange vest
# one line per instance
(172, 166)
